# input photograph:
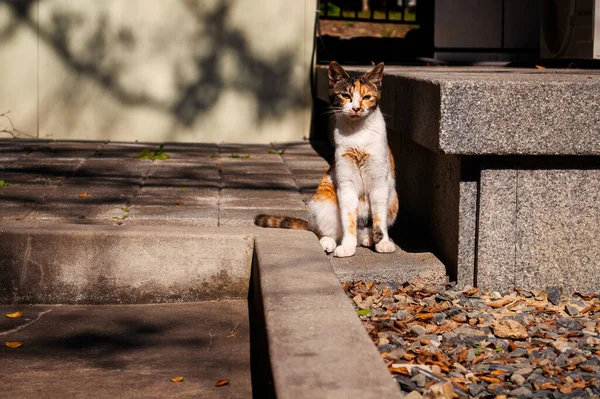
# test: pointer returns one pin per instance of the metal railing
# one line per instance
(387, 11)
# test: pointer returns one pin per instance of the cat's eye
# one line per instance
(367, 97)
(346, 95)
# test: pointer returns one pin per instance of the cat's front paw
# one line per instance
(385, 246)
(328, 244)
(344, 251)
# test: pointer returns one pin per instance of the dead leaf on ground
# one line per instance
(222, 383)
(13, 344)
(82, 195)
(177, 379)
(500, 302)
(399, 370)
(14, 315)
(540, 67)
(179, 203)
(470, 292)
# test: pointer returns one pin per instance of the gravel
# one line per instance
(444, 342)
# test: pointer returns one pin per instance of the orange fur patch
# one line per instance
(325, 191)
(357, 157)
(352, 222)
(393, 208)
(392, 163)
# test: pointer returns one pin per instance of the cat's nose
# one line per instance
(356, 109)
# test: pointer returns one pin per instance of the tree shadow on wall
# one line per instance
(104, 58)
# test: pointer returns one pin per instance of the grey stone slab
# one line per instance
(86, 194)
(122, 150)
(257, 193)
(99, 168)
(121, 264)
(255, 180)
(19, 194)
(13, 213)
(249, 157)
(297, 260)
(467, 233)
(307, 163)
(200, 215)
(235, 148)
(82, 213)
(208, 182)
(245, 217)
(191, 152)
(497, 230)
(558, 229)
(64, 150)
(263, 203)
(255, 168)
(183, 171)
(129, 351)
(172, 195)
(311, 325)
(399, 266)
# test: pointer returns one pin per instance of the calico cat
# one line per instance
(356, 200)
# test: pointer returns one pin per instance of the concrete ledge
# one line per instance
(317, 345)
(122, 264)
(480, 111)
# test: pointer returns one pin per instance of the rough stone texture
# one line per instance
(538, 228)
(127, 351)
(188, 214)
(304, 308)
(494, 111)
(558, 229)
(497, 224)
(400, 266)
(121, 264)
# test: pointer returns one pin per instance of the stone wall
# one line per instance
(156, 70)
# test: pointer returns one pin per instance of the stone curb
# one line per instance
(317, 345)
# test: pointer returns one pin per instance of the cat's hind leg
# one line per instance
(365, 237)
(325, 223)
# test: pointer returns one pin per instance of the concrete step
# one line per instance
(126, 351)
(42, 263)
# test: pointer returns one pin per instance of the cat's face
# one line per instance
(354, 98)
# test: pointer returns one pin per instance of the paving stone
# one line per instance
(263, 203)
(174, 215)
(77, 214)
(264, 181)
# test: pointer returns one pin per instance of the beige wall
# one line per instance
(158, 70)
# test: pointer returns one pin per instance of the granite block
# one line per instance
(558, 229)
(497, 230)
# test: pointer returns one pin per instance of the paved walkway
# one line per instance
(199, 185)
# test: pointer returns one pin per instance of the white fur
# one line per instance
(368, 134)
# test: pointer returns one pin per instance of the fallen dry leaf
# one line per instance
(179, 203)
(500, 302)
(540, 67)
(177, 379)
(14, 315)
(13, 344)
(222, 383)
(82, 195)
(399, 370)
(470, 292)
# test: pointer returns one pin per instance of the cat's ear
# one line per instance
(375, 76)
(336, 73)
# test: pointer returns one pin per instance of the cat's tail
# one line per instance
(282, 222)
